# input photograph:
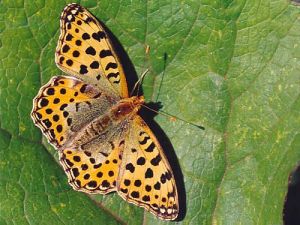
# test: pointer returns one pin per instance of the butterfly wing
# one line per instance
(66, 104)
(95, 168)
(62, 109)
(146, 178)
(84, 50)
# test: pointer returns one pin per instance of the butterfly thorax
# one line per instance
(126, 108)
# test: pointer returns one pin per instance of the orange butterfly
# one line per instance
(89, 117)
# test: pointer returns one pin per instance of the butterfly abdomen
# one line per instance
(93, 130)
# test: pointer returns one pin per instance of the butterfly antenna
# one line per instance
(163, 75)
(139, 82)
(174, 117)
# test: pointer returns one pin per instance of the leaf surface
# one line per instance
(230, 66)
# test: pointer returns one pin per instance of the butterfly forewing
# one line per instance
(101, 148)
(84, 50)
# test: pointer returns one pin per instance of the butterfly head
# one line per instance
(137, 101)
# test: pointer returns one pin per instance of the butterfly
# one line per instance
(88, 116)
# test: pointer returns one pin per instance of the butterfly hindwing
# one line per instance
(146, 178)
(84, 50)
(92, 166)
(94, 170)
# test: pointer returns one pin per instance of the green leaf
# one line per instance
(231, 66)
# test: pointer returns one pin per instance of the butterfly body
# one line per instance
(88, 116)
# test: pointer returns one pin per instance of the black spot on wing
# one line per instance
(141, 161)
(163, 178)
(130, 167)
(75, 172)
(83, 69)
(157, 186)
(49, 111)
(55, 117)
(148, 188)
(76, 53)
(47, 123)
(50, 91)
(105, 183)
(65, 48)
(63, 106)
(146, 198)
(110, 75)
(124, 190)
(92, 184)
(90, 50)
(78, 42)
(59, 128)
(135, 194)
(83, 88)
(99, 35)
(104, 53)
(99, 174)
(150, 148)
(69, 37)
(84, 166)
(144, 141)
(94, 65)
(76, 158)
(149, 173)
(155, 161)
(86, 36)
(56, 100)
(111, 65)
(69, 62)
(69, 163)
(61, 59)
(127, 182)
(44, 102)
(137, 183)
